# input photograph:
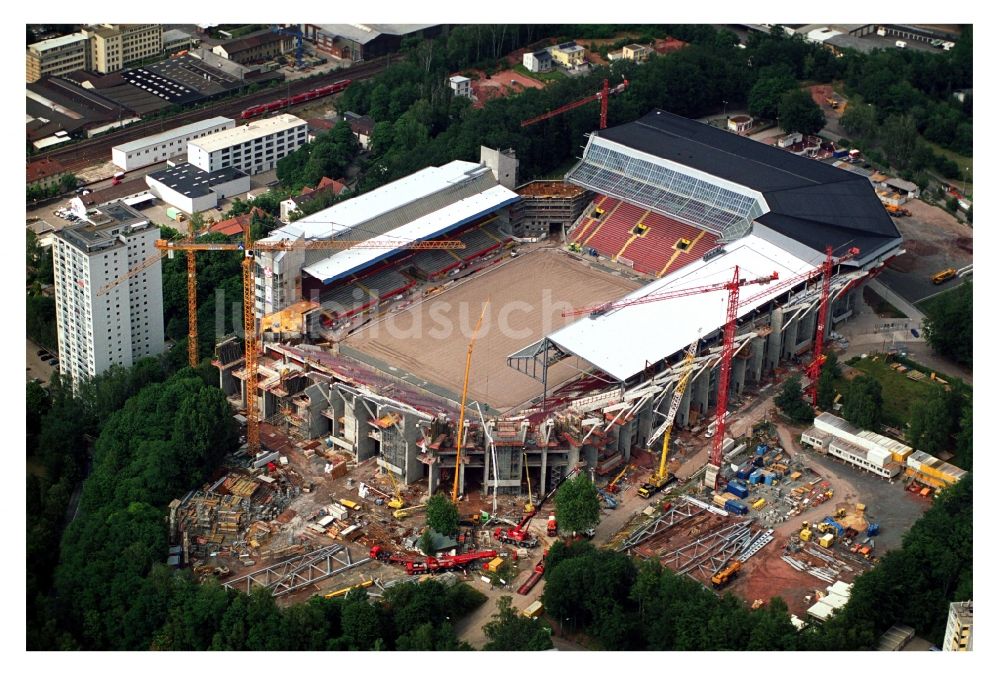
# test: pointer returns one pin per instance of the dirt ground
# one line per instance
(528, 295)
(502, 84)
(933, 240)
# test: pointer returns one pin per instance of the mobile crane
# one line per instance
(661, 478)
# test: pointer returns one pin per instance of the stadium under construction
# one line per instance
(364, 349)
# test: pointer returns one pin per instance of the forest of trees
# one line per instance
(948, 326)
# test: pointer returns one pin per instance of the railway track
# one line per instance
(88, 152)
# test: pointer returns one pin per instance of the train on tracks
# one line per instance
(319, 92)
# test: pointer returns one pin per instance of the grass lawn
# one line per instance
(551, 76)
(898, 391)
(961, 160)
(925, 304)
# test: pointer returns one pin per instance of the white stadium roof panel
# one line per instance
(427, 227)
(623, 342)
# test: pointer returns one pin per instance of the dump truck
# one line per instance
(534, 610)
(724, 575)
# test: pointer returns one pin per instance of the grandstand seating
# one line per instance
(654, 252)
(436, 262)
(345, 298)
(385, 283)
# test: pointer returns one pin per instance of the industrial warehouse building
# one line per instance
(251, 148)
(191, 189)
(99, 325)
(161, 147)
(671, 202)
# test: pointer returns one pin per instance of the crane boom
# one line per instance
(596, 310)
(601, 96)
(465, 392)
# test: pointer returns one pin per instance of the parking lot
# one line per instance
(36, 367)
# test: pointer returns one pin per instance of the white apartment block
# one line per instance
(251, 148)
(123, 324)
(958, 634)
(161, 147)
(56, 56)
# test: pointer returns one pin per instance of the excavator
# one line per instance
(613, 486)
(406, 511)
(397, 501)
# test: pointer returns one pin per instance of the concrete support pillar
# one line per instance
(543, 489)
(461, 479)
(774, 340)
(365, 446)
(701, 392)
(683, 410)
(433, 478)
(414, 469)
(644, 421)
(573, 457)
(756, 360)
(739, 375)
(790, 339)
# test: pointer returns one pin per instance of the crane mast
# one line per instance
(465, 392)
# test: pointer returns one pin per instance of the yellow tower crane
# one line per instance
(465, 392)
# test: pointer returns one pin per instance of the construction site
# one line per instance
(455, 332)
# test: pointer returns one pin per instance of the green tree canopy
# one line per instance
(798, 112)
(863, 403)
(930, 423)
(948, 325)
(578, 506)
(767, 93)
(510, 630)
(791, 403)
(442, 514)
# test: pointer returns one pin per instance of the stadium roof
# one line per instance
(808, 201)
(363, 208)
(623, 342)
(426, 227)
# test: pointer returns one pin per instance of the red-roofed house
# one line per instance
(44, 173)
(232, 226)
(318, 126)
(668, 45)
(327, 186)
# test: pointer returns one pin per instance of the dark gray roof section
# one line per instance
(809, 201)
(192, 181)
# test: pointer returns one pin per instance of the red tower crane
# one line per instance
(601, 96)
(729, 333)
(729, 330)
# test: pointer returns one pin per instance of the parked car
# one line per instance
(41, 352)
(53, 362)
(915, 333)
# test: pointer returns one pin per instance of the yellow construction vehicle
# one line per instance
(345, 590)
(944, 275)
(806, 533)
(724, 575)
(397, 500)
(406, 511)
